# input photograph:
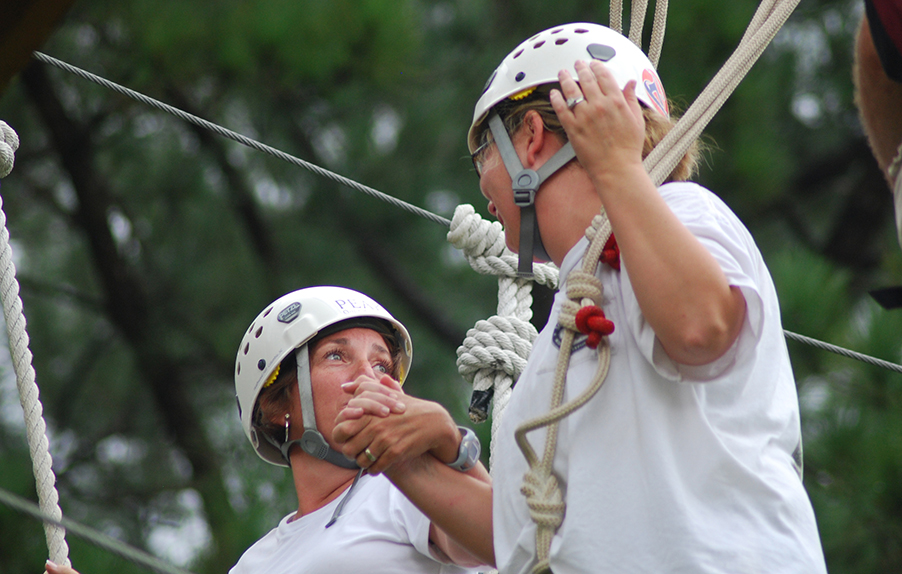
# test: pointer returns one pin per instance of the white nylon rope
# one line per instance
(495, 351)
(35, 427)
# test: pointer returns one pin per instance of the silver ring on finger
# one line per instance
(369, 455)
(573, 102)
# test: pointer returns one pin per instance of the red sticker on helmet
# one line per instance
(655, 91)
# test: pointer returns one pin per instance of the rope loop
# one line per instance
(497, 344)
(544, 498)
(9, 143)
(583, 290)
(482, 243)
(545, 501)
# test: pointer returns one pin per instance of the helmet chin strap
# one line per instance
(525, 184)
(312, 441)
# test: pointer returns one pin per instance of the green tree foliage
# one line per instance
(145, 245)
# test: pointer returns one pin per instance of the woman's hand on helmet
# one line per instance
(372, 397)
(607, 129)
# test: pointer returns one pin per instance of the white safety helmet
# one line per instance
(538, 60)
(286, 326)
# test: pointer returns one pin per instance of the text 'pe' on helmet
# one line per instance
(289, 323)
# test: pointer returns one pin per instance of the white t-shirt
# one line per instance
(667, 469)
(378, 531)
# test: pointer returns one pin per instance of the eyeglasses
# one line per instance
(478, 157)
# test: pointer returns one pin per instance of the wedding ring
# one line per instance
(369, 455)
(572, 102)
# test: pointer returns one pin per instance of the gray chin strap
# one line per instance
(312, 441)
(526, 183)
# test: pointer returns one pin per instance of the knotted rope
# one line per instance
(495, 351)
(35, 427)
(9, 143)
(544, 495)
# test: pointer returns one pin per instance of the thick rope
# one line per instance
(35, 427)
(615, 19)
(657, 32)
(544, 496)
(637, 20)
(768, 19)
(9, 143)
(494, 352)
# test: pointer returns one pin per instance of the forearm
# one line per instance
(681, 289)
(457, 503)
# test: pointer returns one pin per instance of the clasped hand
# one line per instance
(384, 429)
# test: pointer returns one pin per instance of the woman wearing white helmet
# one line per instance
(293, 365)
(688, 459)
(290, 371)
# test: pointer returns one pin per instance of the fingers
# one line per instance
(373, 398)
(53, 568)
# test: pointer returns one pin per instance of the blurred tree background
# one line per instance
(146, 246)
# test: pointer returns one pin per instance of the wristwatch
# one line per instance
(468, 454)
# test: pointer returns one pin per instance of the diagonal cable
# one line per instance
(95, 537)
(235, 136)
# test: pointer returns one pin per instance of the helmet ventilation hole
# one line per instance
(560, 41)
(268, 311)
(259, 332)
(581, 31)
(247, 347)
(539, 44)
(517, 55)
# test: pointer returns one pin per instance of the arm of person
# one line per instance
(53, 568)
(682, 291)
(413, 449)
(459, 504)
(879, 100)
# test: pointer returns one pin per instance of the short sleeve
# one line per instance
(724, 236)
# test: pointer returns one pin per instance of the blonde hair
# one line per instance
(513, 113)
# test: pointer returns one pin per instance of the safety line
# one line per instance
(844, 352)
(95, 537)
(224, 132)
(235, 136)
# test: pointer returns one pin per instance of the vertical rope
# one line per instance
(616, 16)
(543, 492)
(768, 19)
(35, 427)
(657, 32)
(637, 21)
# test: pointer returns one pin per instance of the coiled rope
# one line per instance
(35, 427)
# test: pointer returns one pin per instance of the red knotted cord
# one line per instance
(611, 253)
(592, 322)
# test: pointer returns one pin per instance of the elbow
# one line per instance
(701, 346)
(711, 334)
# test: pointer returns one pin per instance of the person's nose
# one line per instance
(364, 367)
